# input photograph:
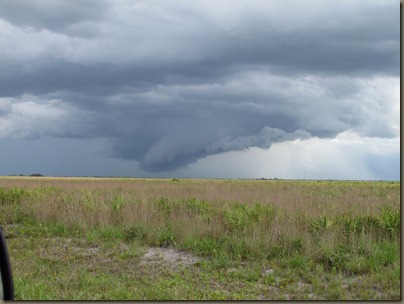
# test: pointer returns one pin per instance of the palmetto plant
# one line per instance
(357, 224)
(320, 224)
(389, 220)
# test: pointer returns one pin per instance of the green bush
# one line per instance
(118, 202)
(166, 237)
(320, 224)
(11, 195)
(390, 221)
(137, 232)
(164, 204)
(238, 216)
(196, 206)
(298, 261)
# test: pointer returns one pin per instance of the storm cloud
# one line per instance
(167, 83)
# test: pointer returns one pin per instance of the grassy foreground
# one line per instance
(85, 239)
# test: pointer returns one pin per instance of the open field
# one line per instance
(156, 239)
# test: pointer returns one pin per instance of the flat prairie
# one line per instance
(201, 239)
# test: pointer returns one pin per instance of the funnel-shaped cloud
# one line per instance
(170, 82)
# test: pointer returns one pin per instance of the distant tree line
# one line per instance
(33, 174)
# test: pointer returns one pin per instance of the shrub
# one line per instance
(164, 205)
(238, 217)
(137, 232)
(11, 195)
(166, 237)
(390, 221)
(320, 224)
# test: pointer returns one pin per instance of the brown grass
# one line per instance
(292, 197)
(89, 202)
(265, 221)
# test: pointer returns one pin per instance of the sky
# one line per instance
(293, 89)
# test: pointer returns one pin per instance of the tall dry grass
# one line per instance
(243, 219)
(91, 200)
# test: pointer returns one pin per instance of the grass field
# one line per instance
(170, 239)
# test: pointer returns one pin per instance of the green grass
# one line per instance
(274, 240)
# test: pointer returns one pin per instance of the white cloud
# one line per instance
(343, 157)
(30, 117)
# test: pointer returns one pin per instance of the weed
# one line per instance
(239, 249)
(221, 259)
(270, 279)
(239, 216)
(118, 202)
(358, 265)
(195, 206)
(252, 275)
(296, 244)
(166, 237)
(236, 217)
(11, 196)
(137, 232)
(204, 246)
(298, 261)
(277, 251)
(164, 205)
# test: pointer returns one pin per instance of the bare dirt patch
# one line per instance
(168, 257)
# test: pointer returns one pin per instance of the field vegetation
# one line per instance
(173, 239)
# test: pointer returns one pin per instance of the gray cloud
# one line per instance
(171, 82)
(53, 15)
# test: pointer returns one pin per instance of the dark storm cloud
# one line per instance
(170, 82)
(53, 15)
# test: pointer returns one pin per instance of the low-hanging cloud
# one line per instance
(170, 82)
